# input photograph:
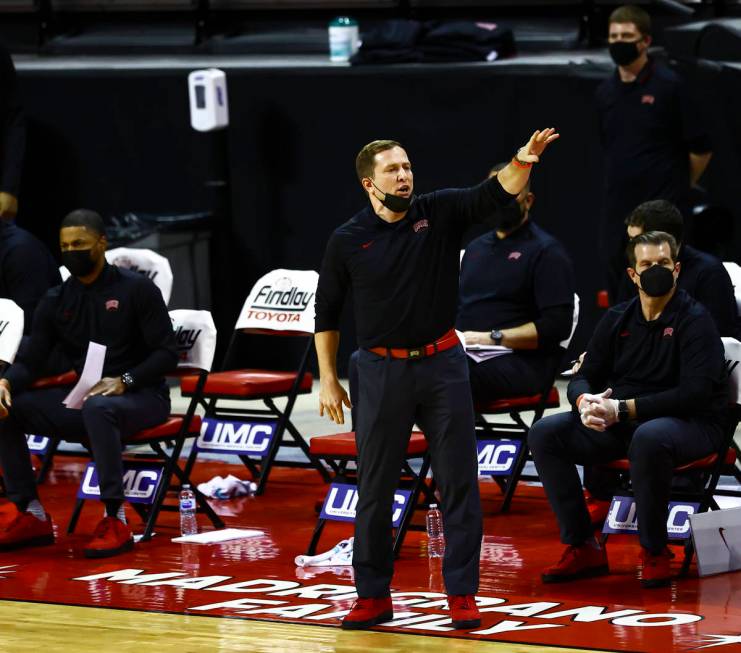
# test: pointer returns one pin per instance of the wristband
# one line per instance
(524, 165)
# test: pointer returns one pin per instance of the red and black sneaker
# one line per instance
(584, 561)
(463, 611)
(368, 612)
(656, 570)
(26, 530)
(110, 537)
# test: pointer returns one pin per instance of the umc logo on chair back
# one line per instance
(497, 457)
(341, 500)
(37, 444)
(140, 482)
(227, 436)
(621, 518)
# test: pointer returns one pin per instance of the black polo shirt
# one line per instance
(121, 309)
(515, 280)
(27, 269)
(403, 275)
(671, 366)
(649, 127)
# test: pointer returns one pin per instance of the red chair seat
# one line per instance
(623, 465)
(168, 429)
(246, 383)
(68, 378)
(343, 444)
(519, 403)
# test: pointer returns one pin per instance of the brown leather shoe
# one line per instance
(110, 537)
(26, 530)
(368, 612)
(582, 561)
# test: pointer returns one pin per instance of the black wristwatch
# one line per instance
(128, 380)
(623, 413)
(496, 336)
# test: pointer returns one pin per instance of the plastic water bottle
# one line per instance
(188, 522)
(344, 38)
(435, 537)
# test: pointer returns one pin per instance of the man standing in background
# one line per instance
(12, 138)
(656, 146)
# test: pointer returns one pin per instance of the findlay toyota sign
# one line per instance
(282, 300)
(414, 611)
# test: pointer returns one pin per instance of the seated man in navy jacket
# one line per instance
(652, 388)
(516, 289)
(125, 312)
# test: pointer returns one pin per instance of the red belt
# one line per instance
(449, 340)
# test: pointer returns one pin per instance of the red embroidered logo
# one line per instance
(367, 245)
(648, 99)
(668, 332)
(624, 334)
(513, 256)
(420, 224)
(111, 305)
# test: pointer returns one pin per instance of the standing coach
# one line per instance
(399, 258)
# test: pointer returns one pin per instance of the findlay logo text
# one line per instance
(326, 603)
(282, 302)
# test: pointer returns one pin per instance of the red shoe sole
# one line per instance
(368, 623)
(591, 572)
(41, 540)
(105, 553)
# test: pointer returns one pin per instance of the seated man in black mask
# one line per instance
(653, 389)
(516, 290)
(125, 312)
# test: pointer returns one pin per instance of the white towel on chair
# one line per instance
(338, 556)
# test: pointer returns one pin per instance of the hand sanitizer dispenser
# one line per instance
(209, 107)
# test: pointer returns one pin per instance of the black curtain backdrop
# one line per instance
(120, 140)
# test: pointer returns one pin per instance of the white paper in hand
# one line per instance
(91, 374)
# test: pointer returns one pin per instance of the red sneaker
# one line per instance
(578, 562)
(656, 568)
(368, 612)
(26, 530)
(463, 611)
(110, 537)
(598, 509)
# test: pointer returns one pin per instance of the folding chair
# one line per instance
(11, 333)
(705, 471)
(145, 261)
(340, 453)
(513, 433)
(279, 304)
(196, 338)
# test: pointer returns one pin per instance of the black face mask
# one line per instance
(624, 53)
(507, 217)
(657, 281)
(78, 262)
(395, 203)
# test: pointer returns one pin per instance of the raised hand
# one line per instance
(531, 152)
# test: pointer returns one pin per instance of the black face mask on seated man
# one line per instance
(657, 281)
(78, 261)
(507, 217)
(624, 53)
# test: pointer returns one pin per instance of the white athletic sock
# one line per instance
(37, 510)
(121, 514)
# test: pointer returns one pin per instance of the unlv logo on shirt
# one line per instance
(420, 224)
(648, 99)
(111, 305)
(514, 256)
(668, 332)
